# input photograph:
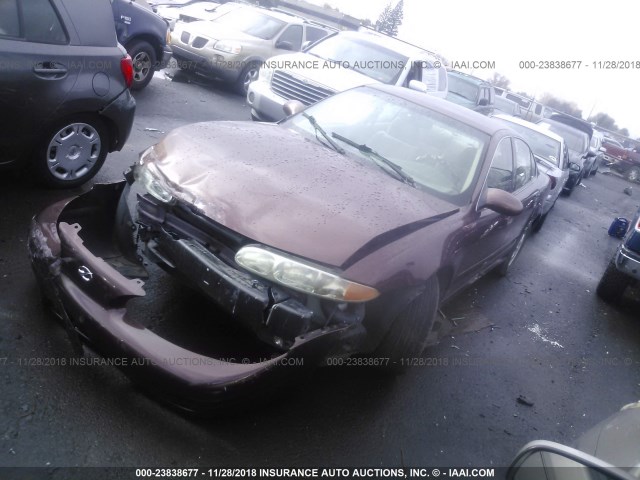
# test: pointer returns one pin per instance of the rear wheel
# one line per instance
(144, 62)
(406, 337)
(612, 284)
(71, 152)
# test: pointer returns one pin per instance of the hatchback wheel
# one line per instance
(144, 62)
(634, 174)
(71, 152)
(405, 339)
(612, 284)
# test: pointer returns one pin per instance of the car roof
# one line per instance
(389, 43)
(562, 125)
(531, 126)
(450, 109)
(469, 78)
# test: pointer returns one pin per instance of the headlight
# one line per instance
(227, 47)
(302, 277)
(147, 175)
(265, 73)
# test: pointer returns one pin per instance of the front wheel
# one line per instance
(633, 174)
(537, 225)
(406, 337)
(144, 62)
(71, 152)
(249, 74)
(612, 284)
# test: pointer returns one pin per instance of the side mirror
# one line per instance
(483, 102)
(544, 460)
(574, 167)
(592, 152)
(602, 149)
(292, 107)
(418, 85)
(306, 44)
(502, 202)
(282, 45)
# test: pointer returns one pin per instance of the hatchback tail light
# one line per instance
(126, 66)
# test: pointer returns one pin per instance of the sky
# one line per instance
(510, 32)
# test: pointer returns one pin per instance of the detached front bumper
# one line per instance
(91, 294)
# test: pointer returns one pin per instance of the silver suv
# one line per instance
(233, 46)
(339, 62)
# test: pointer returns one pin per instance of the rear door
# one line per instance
(37, 71)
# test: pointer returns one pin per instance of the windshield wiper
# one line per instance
(322, 131)
(406, 178)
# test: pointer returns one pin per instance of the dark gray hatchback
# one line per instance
(64, 88)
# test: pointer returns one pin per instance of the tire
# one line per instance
(409, 330)
(612, 284)
(144, 63)
(248, 75)
(71, 152)
(633, 175)
(504, 268)
(594, 171)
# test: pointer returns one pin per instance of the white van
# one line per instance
(339, 62)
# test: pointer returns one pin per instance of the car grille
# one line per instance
(293, 88)
(184, 38)
(199, 42)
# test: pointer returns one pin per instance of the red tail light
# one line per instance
(126, 66)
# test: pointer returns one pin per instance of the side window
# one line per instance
(501, 171)
(293, 35)
(524, 167)
(538, 109)
(314, 34)
(9, 23)
(41, 23)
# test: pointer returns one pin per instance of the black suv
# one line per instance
(624, 268)
(145, 36)
(64, 88)
(471, 92)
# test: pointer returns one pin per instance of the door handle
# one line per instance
(50, 69)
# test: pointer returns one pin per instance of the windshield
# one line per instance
(362, 56)
(542, 145)
(252, 23)
(434, 152)
(463, 88)
(575, 139)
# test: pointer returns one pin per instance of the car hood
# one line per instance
(284, 190)
(333, 76)
(217, 30)
(616, 439)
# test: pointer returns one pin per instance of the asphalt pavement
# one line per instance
(541, 335)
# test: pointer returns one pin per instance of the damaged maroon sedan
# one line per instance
(337, 232)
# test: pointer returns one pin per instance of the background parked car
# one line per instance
(233, 46)
(577, 142)
(597, 150)
(340, 62)
(406, 173)
(63, 106)
(507, 106)
(194, 11)
(551, 154)
(593, 149)
(471, 92)
(624, 268)
(145, 35)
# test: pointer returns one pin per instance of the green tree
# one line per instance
(624, 131)
(390, 19)
(499, 81)
(564, 106)
(605, 121)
